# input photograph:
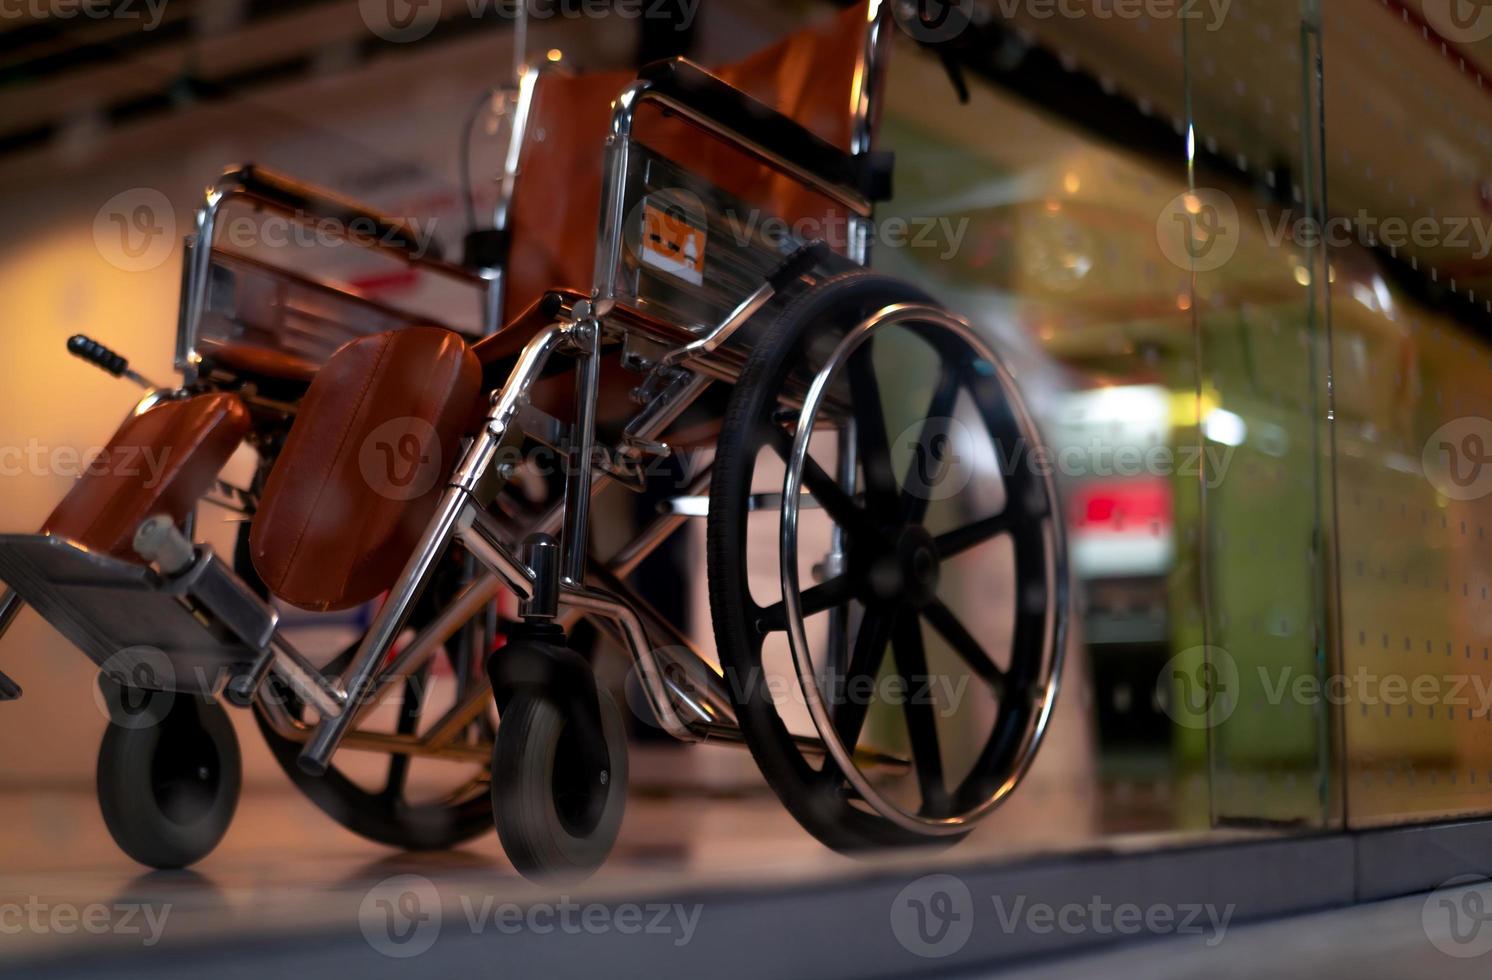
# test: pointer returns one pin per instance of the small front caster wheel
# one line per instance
(558, 807)
(168, 790)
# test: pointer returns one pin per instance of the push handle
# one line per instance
(97, 354)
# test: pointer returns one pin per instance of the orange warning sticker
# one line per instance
(671, 243)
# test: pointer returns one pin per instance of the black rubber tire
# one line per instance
(827, 310)
(556, 834)
(168, 792)
(374, 816)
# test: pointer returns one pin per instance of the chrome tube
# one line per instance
(480, 534)
(594, 601)
(682, 649)
(304, 680)
(358, 676)
(197, 281)
(10, 606)
(636, 551)
(477, 594)
(465, 711)
(575, 542)
(507, 403)
(716, 338)
(528, 77)
(870, 77)
(614, 195)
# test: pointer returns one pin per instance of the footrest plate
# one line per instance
(112, 609)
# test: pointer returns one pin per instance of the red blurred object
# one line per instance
(1124, 505)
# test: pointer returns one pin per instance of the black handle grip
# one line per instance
(96, 353)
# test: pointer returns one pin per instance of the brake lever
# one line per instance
(102, 357)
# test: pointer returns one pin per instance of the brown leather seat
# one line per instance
(161, 461)
(363, 466)
(261, 362)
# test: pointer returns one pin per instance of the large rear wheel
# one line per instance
(886, 566)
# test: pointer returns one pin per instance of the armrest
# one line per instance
(292, 197)
(288, 194)
(717, 102)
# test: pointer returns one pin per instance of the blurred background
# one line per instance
(1237, 253)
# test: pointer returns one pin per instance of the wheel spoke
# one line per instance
(916, 497)
(871, 441)
(826, 595)
(826, 490)
(410, 708)
(971, 535)
(865, 662)
(922, 720)
(942, 619)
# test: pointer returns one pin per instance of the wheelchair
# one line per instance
(856, 451)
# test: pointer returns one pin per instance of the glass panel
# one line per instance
(1407, 118)
(1260, 410)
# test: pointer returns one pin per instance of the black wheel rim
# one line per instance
(892, 635)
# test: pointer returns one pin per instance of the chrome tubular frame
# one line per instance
(456, 510)
(460, 516)
(708, 709)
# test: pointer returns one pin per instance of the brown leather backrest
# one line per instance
(363, 466)
(160, 461)
(809, 76)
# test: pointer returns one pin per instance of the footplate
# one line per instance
(121, 614)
